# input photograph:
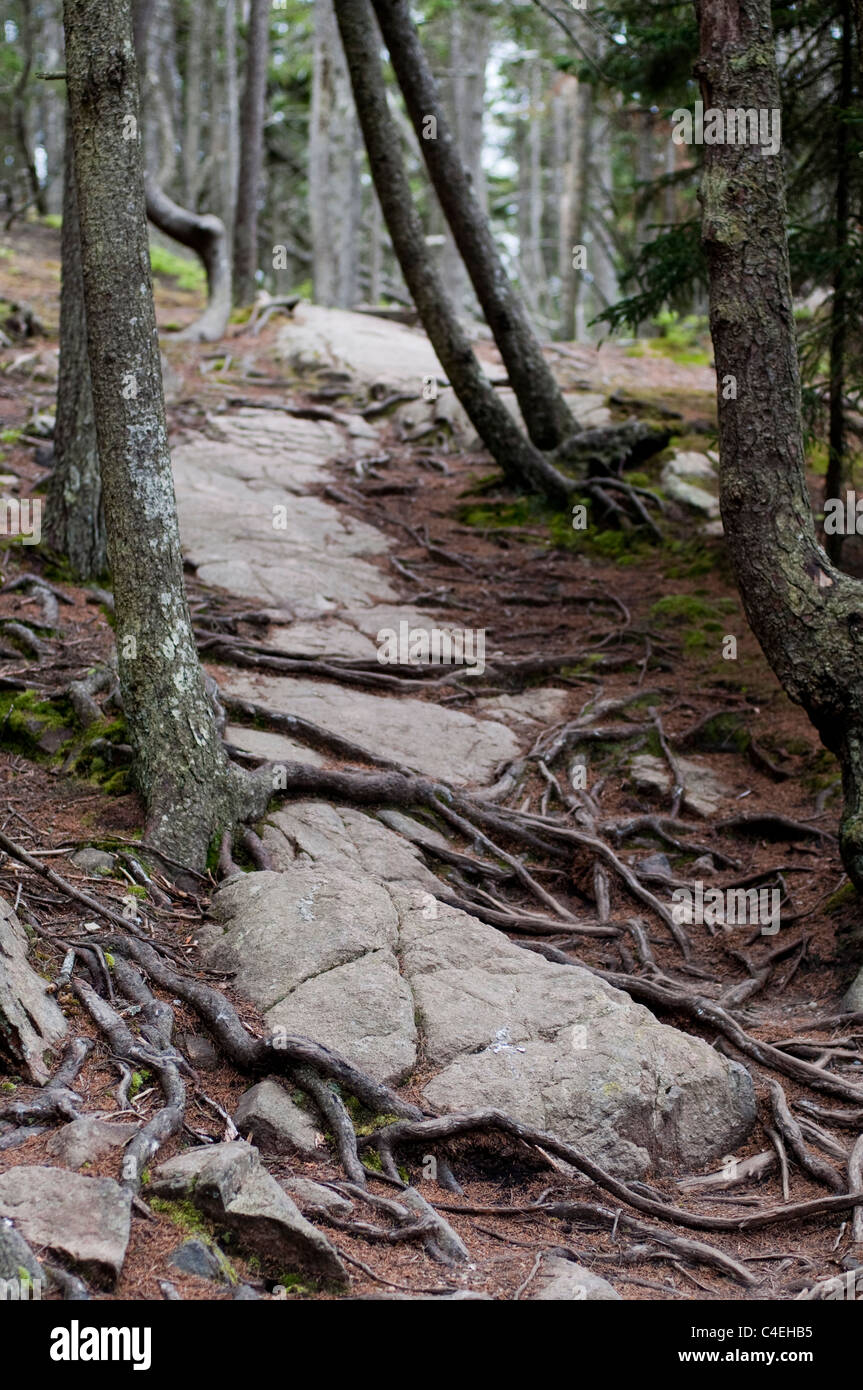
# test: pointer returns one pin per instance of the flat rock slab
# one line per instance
(31, 1021)
(427, 738)
(352, 916)
(704, 792)
(230, 1185)
(85, 1140)
(83, 1220)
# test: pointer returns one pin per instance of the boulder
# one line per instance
(31, 1022)
(274, 1122)
(84, 1140)
(84, 1221)
(562, 1280)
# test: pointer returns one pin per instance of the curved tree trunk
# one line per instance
(251, 153)
(74, 524)
(519, 460)
(543, 408)
(205, 234)
(191, 791)
(806, 614)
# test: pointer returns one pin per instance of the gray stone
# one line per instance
(228, 1183)
(82, 1220)
(313, 1194)
(274, 1121)
(199, 1052)
(303, 941)
(83, 1141)
(15, 1255)
(431, 739)
(852, 1001)
(562, 1280)
(704, 791)
(31, 1022)
(655, 864)
(194, 1257)
(94, 861)
(559, 1049)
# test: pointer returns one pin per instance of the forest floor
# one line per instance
(637, 621)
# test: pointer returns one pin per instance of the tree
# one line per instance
(75, 525)
(190, 790)
(334, 192)
(807, 615)
(545, 413)
(251, 152)
(520, 460)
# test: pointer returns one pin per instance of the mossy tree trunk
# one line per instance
(74, 524)
(806, 614)
(190, 790)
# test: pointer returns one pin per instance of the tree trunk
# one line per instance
(543, 408)
(251, 152)
(333, 169)
(75, 526)
(192, 100)
(806, 614)
(839, 307)
(519, 460)
(574, 203)
(190, 790)
(205, 234)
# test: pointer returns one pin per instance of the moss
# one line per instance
(8, 1086)
(188, 274)
(841, 897)
(184, 1214)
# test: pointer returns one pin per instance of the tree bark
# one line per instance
(192, 102)
(543, 408)
(333, 169)
(806, 614)
(74, 523)
(839, 306)
(205, 234)
(251, 153)
(190, 790)
(520, 461)
(574, 203)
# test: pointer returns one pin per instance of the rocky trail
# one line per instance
(469, 1049)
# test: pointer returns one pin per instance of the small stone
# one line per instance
(199, 1052)
(655, 864)
(83, 1141)
(564, 1281)
(704, 865)
(274, 1121)
(94, 861)
(194, 1257)
(31, 1022)
(313, 1194)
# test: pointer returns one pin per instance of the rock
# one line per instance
(244, 1293)
(276, 1123)
(427, 738)
(194, 1257)
(83, 1141)
(448, 1241)
(704, 865)
(558, 1049)
(852, 1001)
(691, 479)
(199, 1052)
(704, 794)
(460, 1296)
(563, 1280)
(94, 861)
(313, 1194)
(16, 1255)
(654, 864)
(82, 1220)
(304, 941)
(349, 840)
(228, 1183)
(31, 1022)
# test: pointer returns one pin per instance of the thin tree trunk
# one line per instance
(574, 206)
(543, 408)
(251, 152)
(839, 308)
(192, 98)
(805, 613)
(75, 525)
(495, 426)
(190, 790)
(333, 168)
(232, 123)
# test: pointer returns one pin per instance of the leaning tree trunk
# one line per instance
(806, 614)
(74, 524)
(519, 460)
(543, 408)
(839, 306)
(205, 234)
(251, 153)
(190, 790)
